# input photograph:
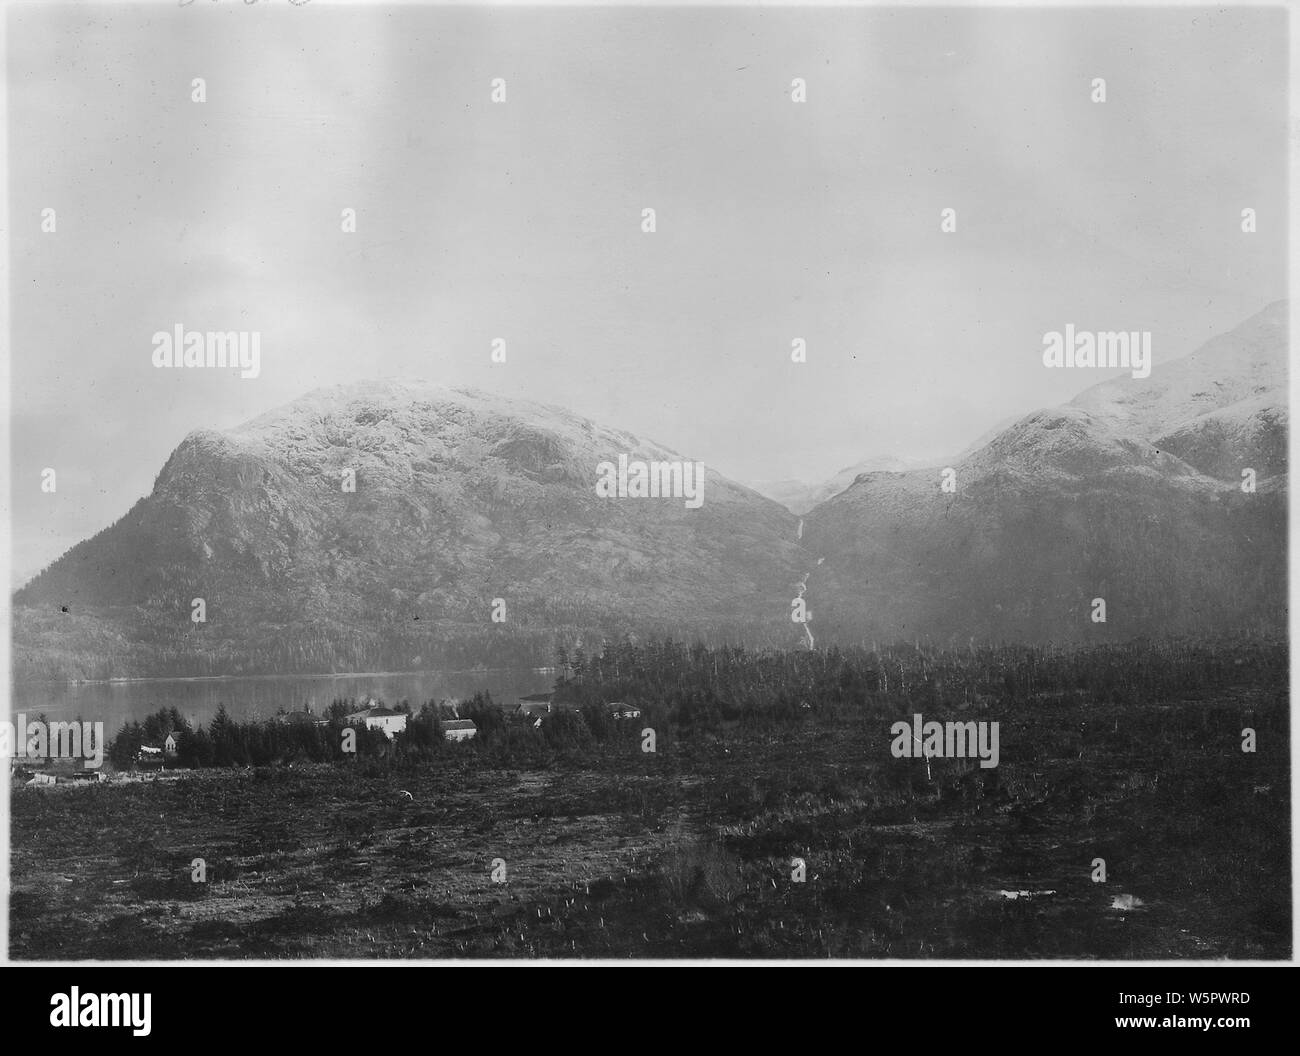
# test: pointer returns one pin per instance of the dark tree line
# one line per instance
(683, 690)
(694, 687)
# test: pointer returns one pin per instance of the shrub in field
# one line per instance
(701, 872)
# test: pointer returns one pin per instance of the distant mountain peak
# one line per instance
(1131, 492)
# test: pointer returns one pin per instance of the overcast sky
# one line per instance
(522, 220)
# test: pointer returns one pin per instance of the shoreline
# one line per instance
(272, 678)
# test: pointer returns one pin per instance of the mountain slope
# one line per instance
(461, 498)
(1246, 363)
(1130, 493)
(1222, 408)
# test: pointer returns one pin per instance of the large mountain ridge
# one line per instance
(1132, 493)
(461, 498)
(469, 505)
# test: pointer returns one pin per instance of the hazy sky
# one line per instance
(522, 220)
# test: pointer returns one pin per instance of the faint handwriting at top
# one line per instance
(296, 3)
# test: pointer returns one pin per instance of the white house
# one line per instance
(171, 744)
(378, 718)
(459, 729)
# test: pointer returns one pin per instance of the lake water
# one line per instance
(116, 703)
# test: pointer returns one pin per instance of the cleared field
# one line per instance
(688, 852)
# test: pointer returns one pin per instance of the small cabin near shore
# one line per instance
(306, 717)
(459, 729)
(88, 777)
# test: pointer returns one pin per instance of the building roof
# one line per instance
(459, 724)
(301, 716)
(375, 713)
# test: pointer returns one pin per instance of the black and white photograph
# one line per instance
(640, 483)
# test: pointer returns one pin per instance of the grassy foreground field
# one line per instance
(687, 852)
